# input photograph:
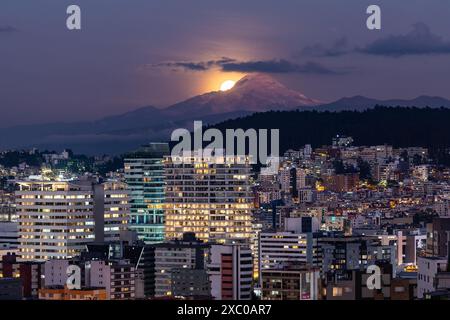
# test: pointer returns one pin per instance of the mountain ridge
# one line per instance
(254, 93)
(361, 103)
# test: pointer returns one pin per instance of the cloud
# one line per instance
(265, 66)
(419, 41)
(338, 48)
(195, 66)
(7, 29)
(277, 66)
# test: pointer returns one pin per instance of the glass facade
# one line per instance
(144, 174)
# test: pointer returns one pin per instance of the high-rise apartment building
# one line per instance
(56, 218)
(209, 196)
(286, 178)
(111, 210)
(300, 178)
(144, 174)
(230, 272)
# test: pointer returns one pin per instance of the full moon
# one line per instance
(227, 85)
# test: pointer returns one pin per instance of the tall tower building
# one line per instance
(230, 272)
(144, 174)
(284, 178)
(210, 196)
(56, 218)
(111, 210)
(300, 178)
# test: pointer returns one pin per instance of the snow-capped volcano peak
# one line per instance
(256, 81)
(269, 88)
(254, 92)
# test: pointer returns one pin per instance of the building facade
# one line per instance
(56, 218)
(30, 274)
(111, 210)
(290, 282)
(209, 196)
(230, 272)
(428, 268)
(144, 174)
(174, 258)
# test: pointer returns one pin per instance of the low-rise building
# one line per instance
(428, 269)
(290, 282)
(230, 271)
(10, 289)
(63, 293)
(30, 273)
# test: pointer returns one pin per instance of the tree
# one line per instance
(365, 172)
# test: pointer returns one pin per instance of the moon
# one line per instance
(227, 85)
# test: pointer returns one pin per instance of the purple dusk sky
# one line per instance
(157, 52)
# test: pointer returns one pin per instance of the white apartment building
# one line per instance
(55, 272)
(428, 267)
(277, 249)
(56, 219)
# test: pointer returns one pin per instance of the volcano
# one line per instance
(254, 92)
(124, 132)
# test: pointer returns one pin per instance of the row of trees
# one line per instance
(397, 126)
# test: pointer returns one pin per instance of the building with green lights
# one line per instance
(144, 174)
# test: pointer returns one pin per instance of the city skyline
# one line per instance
(336, 222)
(220, 158)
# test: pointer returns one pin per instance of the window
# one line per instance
(399, 289)
(337, 292)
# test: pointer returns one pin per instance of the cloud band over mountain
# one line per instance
(264, 66)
